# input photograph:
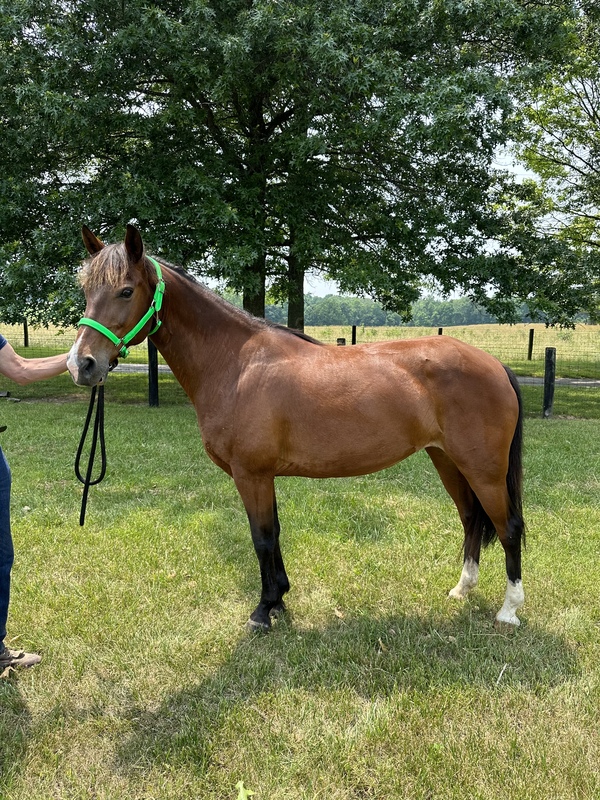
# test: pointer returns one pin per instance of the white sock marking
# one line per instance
(513, 600)
(468, 579)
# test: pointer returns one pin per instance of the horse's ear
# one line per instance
(91, 242)
(134, 244)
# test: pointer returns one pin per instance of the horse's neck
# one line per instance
(200, 338)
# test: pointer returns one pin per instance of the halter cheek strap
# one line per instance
(155, 306)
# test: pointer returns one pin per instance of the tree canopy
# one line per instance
(554, 217)
(252, 140)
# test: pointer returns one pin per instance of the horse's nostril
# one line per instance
(87, 365)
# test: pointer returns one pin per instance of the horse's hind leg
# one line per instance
(484, 506)
(258, 496)
(280, 573)
(509, 525)
(465, 501)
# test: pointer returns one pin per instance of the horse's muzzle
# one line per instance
(87, 370)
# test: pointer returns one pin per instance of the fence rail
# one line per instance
(521, 347)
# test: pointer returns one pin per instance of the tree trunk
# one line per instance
(254, 295)
(254, 303)
(295, 292)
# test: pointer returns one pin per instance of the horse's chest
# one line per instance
(217, 456)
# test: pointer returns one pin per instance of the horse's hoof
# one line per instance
(278, 610)
(253, 626)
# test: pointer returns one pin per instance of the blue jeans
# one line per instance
(7, 552)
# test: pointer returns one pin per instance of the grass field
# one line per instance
(375, 686)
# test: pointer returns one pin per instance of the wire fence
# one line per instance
(522, 347)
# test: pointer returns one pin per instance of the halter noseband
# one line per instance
(155, 306)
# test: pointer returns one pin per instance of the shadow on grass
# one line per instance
(369, 658)
(15, 725)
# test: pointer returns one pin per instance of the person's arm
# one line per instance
(27, 370)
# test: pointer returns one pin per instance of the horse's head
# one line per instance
(118, 282)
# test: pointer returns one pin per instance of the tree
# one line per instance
(554, 217)
(254, 139)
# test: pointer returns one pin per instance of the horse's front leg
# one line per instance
(258, 496)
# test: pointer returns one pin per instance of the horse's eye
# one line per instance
(126, 292)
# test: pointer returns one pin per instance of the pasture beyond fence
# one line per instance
(527, 349)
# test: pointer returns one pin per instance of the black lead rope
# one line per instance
(98, 432)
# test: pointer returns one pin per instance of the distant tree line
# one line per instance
(344, 310)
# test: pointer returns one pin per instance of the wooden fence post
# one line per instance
(549, 380)
(440, 331)
(530, 348)
(354, 334)
(152, 375)
(25, 334)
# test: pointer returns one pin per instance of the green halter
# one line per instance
(155, 306)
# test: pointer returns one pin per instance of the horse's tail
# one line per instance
(514, 477)
(480, 523)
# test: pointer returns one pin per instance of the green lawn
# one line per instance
(375, 686)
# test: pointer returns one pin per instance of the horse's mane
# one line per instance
(293, 331)
(110, 264)
(107, 266)
(257, 321)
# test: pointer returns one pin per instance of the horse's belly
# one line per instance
(343, 467)
(331, 423)
(344, 451)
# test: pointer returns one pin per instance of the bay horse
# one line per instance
(271, 401)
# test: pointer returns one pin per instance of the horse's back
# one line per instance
(440, 367)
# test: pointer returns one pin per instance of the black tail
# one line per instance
(514, 478)
(480, 523)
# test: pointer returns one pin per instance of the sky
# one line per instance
(315, 285)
